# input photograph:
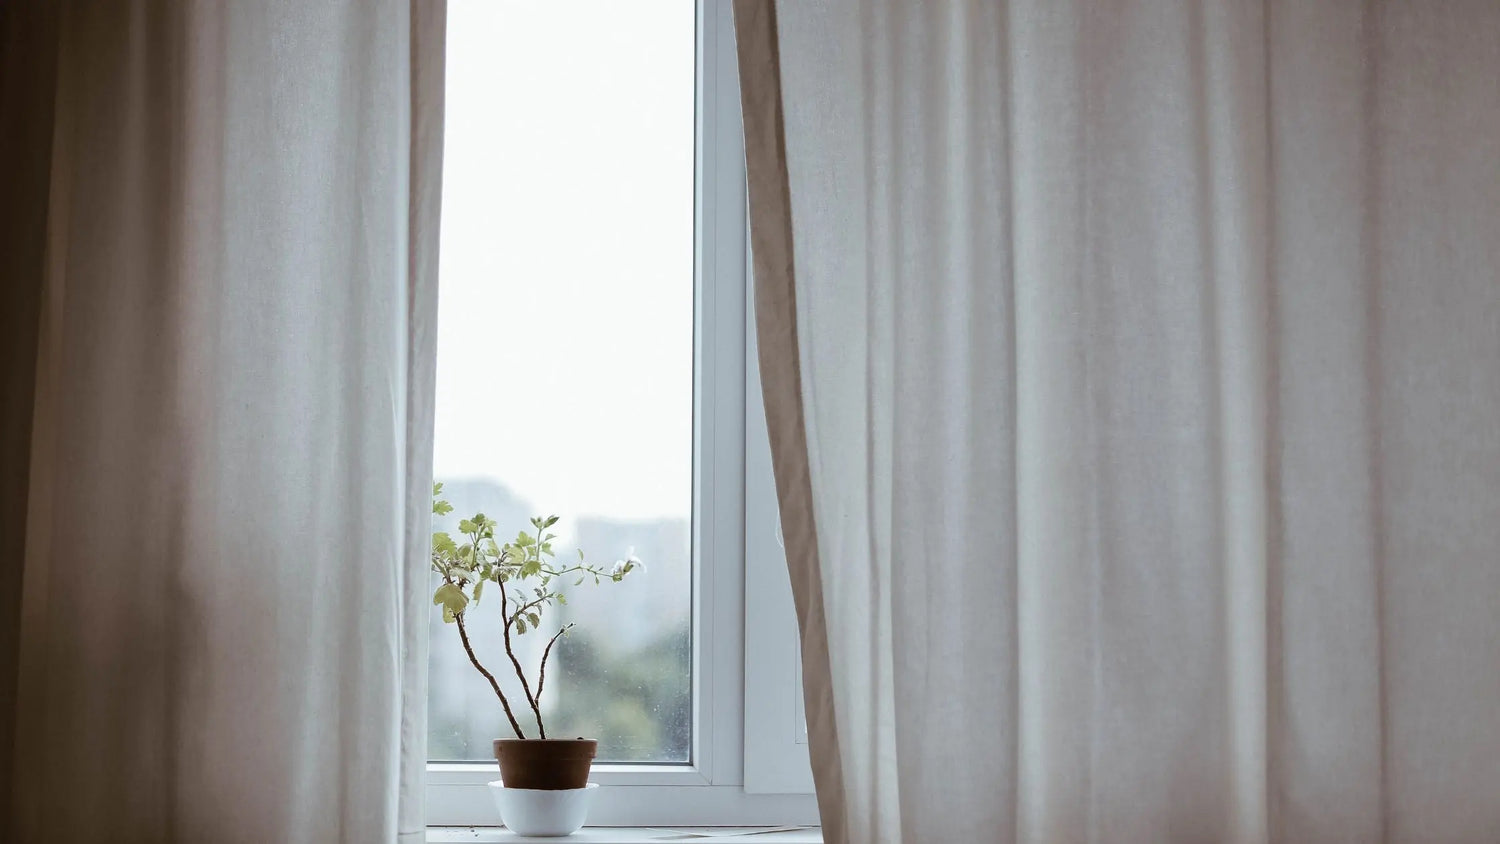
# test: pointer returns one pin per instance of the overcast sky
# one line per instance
(565, 295)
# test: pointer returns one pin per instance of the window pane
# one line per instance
(565, 357)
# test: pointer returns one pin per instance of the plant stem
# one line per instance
(510, 652)
(538, 602)
(586, 569)
(463, 633)
(542, 677)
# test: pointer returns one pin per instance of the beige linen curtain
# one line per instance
(220, 258)
(1133, 378)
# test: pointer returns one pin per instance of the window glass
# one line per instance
(565, 356)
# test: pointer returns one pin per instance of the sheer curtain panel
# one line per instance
(1133, 378)
(220, 285)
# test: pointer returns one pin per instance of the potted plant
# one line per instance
(536, 768)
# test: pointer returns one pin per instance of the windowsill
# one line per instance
(633, 835)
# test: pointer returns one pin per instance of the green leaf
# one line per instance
(478, 587)
(563, 599)
(465, 526)
(452, 598)
(437, 488)
(520, 627)
(551, 520)
(443, 543)
(580, 553)
(441, 508)
(534, 619)
(579, 581)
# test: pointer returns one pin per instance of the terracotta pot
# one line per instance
(545, 764)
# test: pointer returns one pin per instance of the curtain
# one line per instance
(221, 243)
(1133, 379)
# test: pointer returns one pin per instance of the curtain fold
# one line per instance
(222, 424)
(776, 325)
(1138, 429)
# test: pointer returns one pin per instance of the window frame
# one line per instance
(711, 788)
(776, 751)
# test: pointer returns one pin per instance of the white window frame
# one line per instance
(776, 760)
(736, 777)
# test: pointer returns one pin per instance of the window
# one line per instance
(592, 363)
(565, 353)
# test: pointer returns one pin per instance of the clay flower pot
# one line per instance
(545, 764)
(544, 784)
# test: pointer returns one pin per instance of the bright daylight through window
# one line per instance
(565, 357)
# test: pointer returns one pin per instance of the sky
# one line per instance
(565, 322)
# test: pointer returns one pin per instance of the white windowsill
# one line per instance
(633, 835)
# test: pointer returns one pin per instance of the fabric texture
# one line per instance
(218, 418)
(776, 326)
(1146, 361)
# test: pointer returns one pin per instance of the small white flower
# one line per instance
(629, 564)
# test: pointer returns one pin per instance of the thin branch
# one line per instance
(510, 652)
(538, 602)
(542, 677)
(585, 568)
(463, 633)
